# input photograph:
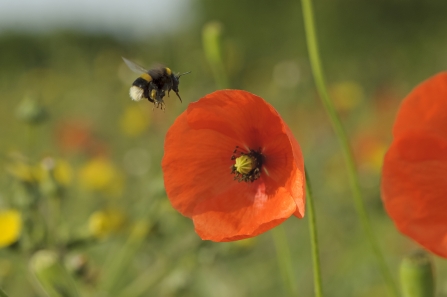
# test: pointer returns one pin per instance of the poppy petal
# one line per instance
(196, 165)
(297, 182)
(413, 182)
(239, 115)
(251, 212)
(414, 188)
(424, 107)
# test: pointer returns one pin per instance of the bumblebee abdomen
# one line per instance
(140, 89)
(136, 93)
(141, 82)
(146, 76)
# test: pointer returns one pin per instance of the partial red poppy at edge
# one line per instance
(197, 166)
(414, 181)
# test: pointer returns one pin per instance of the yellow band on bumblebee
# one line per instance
(146, 77)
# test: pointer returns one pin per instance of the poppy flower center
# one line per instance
(247, 166)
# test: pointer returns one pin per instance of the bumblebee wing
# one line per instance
(134, 67)
(156, 72)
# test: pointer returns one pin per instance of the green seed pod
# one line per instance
(211, 38)
(416, 275)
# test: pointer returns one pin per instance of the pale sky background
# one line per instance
(131, 18)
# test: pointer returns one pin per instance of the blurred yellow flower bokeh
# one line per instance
(62, 172)
(375, 157)
(10, 226)
(105, 222)
(347, 95)
(100, 174)
(22, 171)
(134, 121)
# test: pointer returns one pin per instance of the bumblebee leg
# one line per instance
(162, 94)
(153, 94)
(179, 96)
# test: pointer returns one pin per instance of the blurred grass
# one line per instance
(373, 54)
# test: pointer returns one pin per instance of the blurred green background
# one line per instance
(81, 161)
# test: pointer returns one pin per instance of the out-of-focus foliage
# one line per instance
(81, 161)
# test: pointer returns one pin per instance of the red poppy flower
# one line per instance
(414, 182)
(233, 166)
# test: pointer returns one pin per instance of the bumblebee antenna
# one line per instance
(183, 73)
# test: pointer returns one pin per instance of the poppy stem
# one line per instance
(318, 288)
(284, 259)
(312, 45)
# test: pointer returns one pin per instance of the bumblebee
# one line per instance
(153, 84)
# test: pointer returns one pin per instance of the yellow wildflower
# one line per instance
(10, 226)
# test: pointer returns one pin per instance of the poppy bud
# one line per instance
(212, 46)
(416, 275)
(31, 112)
